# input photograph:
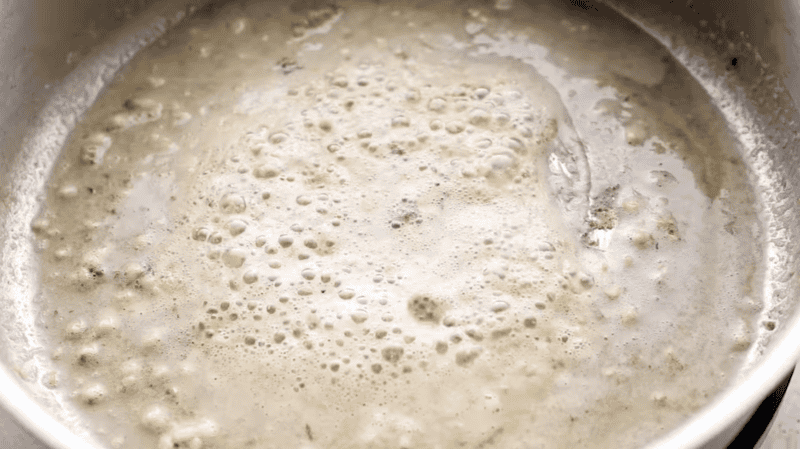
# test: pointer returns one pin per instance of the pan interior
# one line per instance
(365, 225)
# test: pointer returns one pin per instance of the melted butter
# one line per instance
(383, 226)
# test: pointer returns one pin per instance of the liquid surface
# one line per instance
(374, 226)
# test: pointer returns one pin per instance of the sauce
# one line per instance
(372, 226)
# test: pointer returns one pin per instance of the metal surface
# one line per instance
(50, 44)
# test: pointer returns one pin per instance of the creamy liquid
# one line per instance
(375, 226)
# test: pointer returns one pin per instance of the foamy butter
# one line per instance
(378, 226)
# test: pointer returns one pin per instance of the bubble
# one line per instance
(500, 333)
(413, 95)
(501, 118)
(441, 347)
(261, 240)
(265, 172)
(234, 257)
(310, 243)
(232, 203)
(499, 306)
(529, 322)
(425, 308)
(376, 368)
(249, 340)
(236, 227)
(93, 394)
(474, 334)
(466, 357)
(250, 277)
(478, 117)
(308, 274)
(400, 121)
(359, 316)
(437, 104)
(347, 293)
(340, 81)
(278, 138)
(481, 93)
(364, 134)
(334, 147)
(201, 234)
(502, 161)
(304, 200)
(215, 238)
(156, 418)
(279, 337)
(305, 291)
(392, 354)
(454, 127)
(285, 240)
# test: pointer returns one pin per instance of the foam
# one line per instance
(385, 248)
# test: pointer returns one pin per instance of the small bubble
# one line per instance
(279, 337)
(474, 334)
(413, 95)
(466, 357)
(261, 240)
(250, 277)
(499, 306)
(234, 257)
(437, 104)
(478, 117)
(481, 93)
(278, 138)
(454, 127)
(285, 240)
(333, 148)
(392, 354)
(232, 203)
(425, 308)
(201, 234)
(94, 394)
(304, 200)
(347, 293)
(400, 121)
(266, 172)
(359, 316)
(310, 243)
(308, 274)
(436, 125)
(236, 227)
(441, 347)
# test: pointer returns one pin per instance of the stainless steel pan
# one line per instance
(48, 45)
